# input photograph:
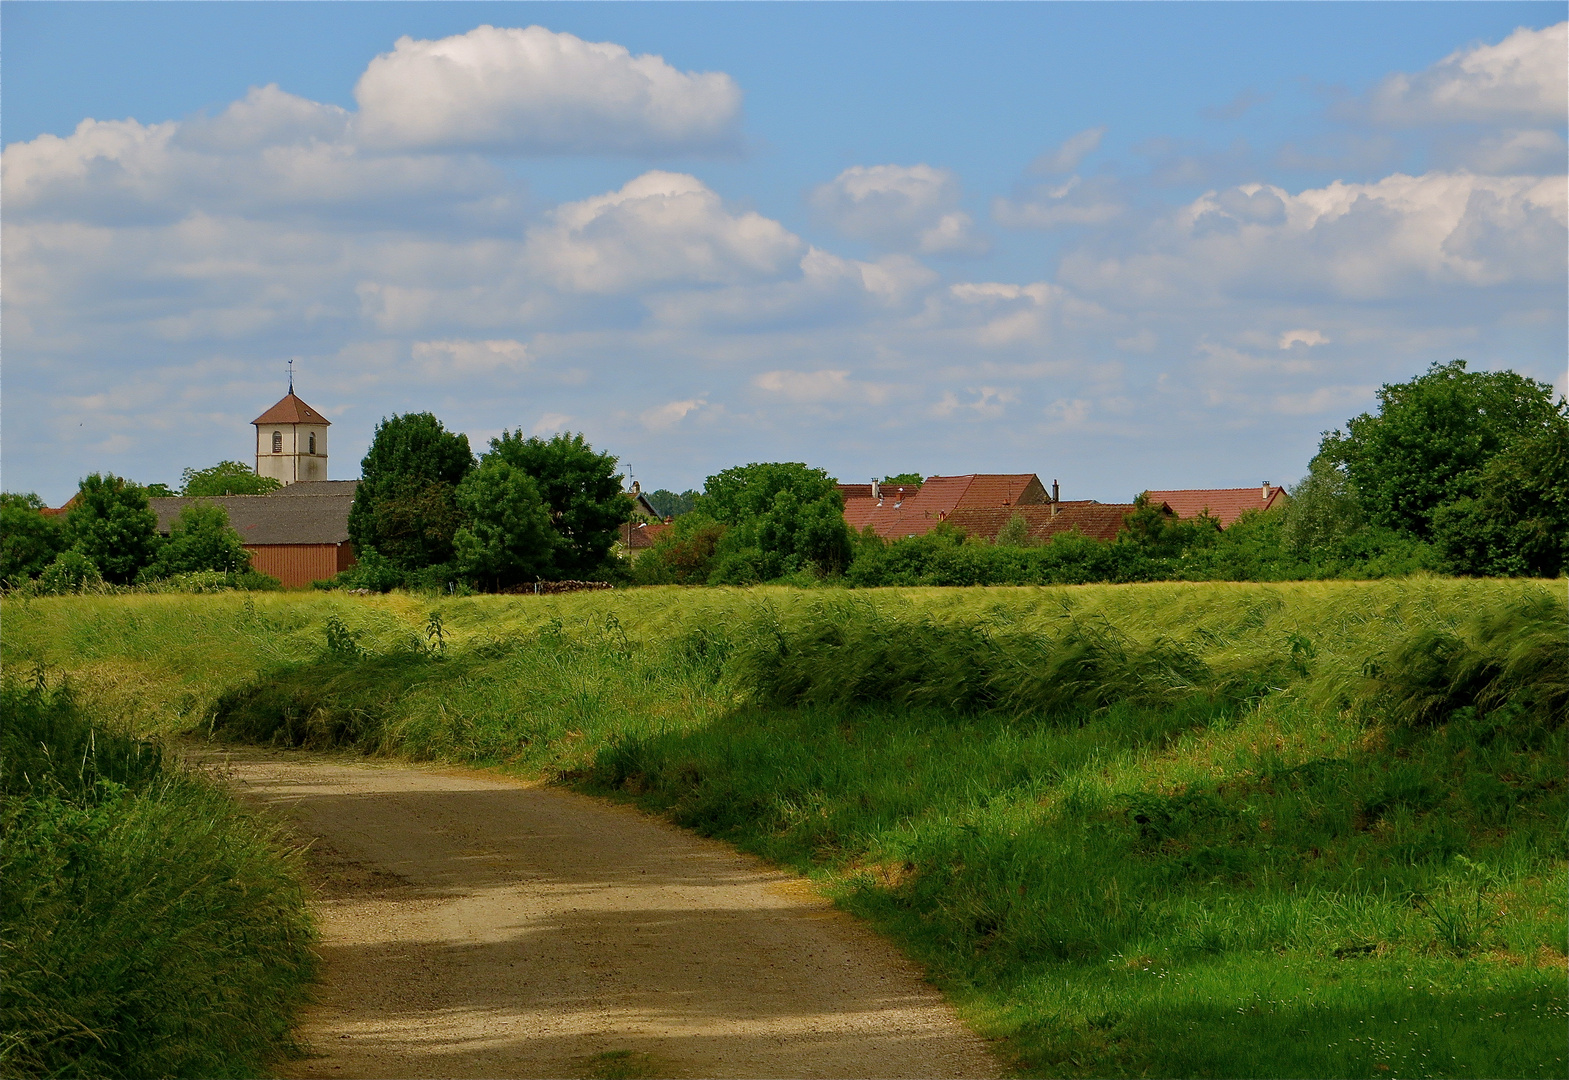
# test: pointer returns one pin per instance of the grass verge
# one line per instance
(148, 925)
(1231, 830)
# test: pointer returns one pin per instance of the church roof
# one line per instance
(291, 410)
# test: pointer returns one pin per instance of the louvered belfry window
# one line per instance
(277, 442)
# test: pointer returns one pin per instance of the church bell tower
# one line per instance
(291, 441)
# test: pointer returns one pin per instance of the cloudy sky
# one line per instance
(1121, 246)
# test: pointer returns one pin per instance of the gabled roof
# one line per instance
(291, 410)
(272, 519)
(1225, 505)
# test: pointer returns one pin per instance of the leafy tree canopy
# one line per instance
(1432, 436)
(200, 539)
(226, 478)
(782, 516)
(160, 491)
(1517, 523)
(509, 538)
(1324, 508)
(905, 479)
(405, 506)
(112, 525)
(581, 491)
(29, 541)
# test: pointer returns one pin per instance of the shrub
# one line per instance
(71, 571)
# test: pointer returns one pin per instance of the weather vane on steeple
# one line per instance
(291, 374)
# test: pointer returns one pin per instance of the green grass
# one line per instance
(148, 926)
(1305, 829)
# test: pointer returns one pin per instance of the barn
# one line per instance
(298, 534)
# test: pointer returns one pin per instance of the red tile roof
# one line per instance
(1098, 521)
(291, 410)
(903, 512)
(1225, 505)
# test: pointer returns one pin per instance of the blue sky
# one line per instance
(1125, 246)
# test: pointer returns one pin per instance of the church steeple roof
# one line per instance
(291, 410)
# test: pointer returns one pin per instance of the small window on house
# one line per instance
(313, 442)
(277, 442)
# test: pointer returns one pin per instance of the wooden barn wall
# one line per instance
(297, 565)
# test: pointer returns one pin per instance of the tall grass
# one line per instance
(1308, 829)
(148, 926)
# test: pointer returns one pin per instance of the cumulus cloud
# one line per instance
(900, 207)
(1066, 157)
(820, 387)
(268, 154)
(532, 91)
(1521, 79)
(1400, 235)
(659, 228)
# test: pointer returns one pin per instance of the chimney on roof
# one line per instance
(636, 487)
(1264, 494)
(1056, 494)
(877, 490)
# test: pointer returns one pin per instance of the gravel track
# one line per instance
(477, 926)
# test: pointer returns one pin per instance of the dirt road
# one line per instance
(476, 927)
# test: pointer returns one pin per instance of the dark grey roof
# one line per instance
(319, 487)
(270, 519)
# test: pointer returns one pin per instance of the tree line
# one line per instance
(1457, 471)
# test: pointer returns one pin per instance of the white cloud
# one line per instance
(1075, 202)
(1302, 337)
(270, 154)
(447, 358)
(900, 207)
(1399, 236)
(1503, 153)
(531, 91)
(819, 387)
(988, 402)
(1066, 157)
(551, 423)
(666, 416)
(1522, 78)
(659, 228)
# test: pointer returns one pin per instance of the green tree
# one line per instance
(112, 525)
(1432, 436)
(782, 517)
(1324, 508)
(405, 506)
(508, 539)
(200, 539)
(29, 540)
(1160, 533)
(582, 493)
(1517, 521)
(226, 478)
(905, 479)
